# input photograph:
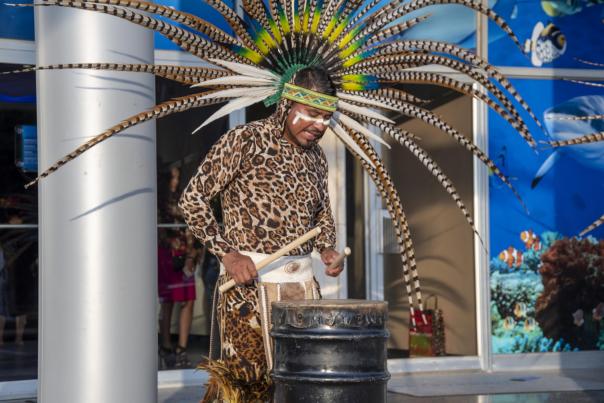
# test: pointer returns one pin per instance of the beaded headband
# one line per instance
(309, 97)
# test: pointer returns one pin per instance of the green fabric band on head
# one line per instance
(285, 78)
(309, 97)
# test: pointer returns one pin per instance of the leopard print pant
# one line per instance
(243, 362)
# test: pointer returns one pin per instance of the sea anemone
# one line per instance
(572, 272)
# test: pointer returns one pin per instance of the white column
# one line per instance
(480, 112)
(97, 214)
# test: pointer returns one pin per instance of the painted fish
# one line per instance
(578, 317)
(589, 155)
(562, 8)
(531, 240)
(509, 323)
(598, 312)
(547, 43)
(520, 309)
(511, 256)
(530, 324)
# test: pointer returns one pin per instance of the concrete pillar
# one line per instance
(97, 215)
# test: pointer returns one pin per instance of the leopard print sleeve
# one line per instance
(324, 216)
(217, 170)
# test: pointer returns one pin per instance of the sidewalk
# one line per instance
(570, 386)
(193, 395)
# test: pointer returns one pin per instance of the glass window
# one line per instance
(553, 33)
(18, 302)
(16, 22)
(18, 227)
(546, 281)
(185, 287)
(442, 238)
(18, 154)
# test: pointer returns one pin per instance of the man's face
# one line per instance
(305, 125)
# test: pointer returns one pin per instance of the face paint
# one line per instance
(306, 118)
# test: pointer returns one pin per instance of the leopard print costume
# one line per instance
(272, 192)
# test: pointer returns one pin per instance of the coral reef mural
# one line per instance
(552, 300)
(571, 305)
(547, 282)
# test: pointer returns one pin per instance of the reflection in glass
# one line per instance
(545, 281)
(187, 272)
(18, 302)
(18, 146)
(441, 236)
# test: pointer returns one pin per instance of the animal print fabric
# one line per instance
(246, 350)
(242, 346)
(272, 192)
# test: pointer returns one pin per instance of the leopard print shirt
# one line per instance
(271, 191)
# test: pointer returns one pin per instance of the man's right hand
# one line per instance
(240, 267)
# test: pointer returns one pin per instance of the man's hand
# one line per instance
(240, 267)
(328, 256)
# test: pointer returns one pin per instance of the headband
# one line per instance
(309, 97)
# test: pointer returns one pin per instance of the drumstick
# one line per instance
(339, 259)
(281, 252)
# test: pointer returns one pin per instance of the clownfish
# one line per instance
(530, 324)
(511, 256)
(531, 240)
(509, 323)
(520, 309)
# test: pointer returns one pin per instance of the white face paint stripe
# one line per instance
(306, 118)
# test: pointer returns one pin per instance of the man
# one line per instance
(271, 176)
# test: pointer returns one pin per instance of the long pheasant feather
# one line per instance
(438, 47)
(433, 120)
(234, 21)
(390, 64)
(160, 69)
(352, 124)
(397, 9)
(188, 41)
(384, 183)
(345, 138)
(190, 20)
(164, 109)
(576, 118)
(585, 139)
(593, 226)
(405, 138)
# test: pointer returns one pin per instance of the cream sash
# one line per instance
(287, 278)
(286, 269)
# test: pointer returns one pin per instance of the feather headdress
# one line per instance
(360, 45)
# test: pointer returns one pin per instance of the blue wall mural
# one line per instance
(18, 22)
(556, 33)
(547, 284)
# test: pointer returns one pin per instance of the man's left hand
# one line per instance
(328, 256)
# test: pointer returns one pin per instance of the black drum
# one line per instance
(329, 351)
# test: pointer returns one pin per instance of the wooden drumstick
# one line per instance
(281, 252)
(339, 259)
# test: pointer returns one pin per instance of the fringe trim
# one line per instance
(225, 386)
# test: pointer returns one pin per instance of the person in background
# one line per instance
(176, 280)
